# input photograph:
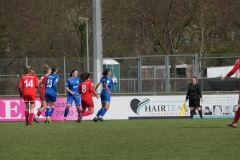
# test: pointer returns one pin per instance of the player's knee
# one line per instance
(67, 107)
(83, 110)
(107, 105)
(92, 111)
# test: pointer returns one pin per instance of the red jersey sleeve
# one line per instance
(44, 78)
(91, 89)
(36, 82)
(235, 68)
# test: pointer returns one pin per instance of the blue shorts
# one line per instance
(50, 97)
(105, 97)
(75, 98)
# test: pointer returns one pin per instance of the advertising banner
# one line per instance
(219, 106)
(13, 109)
(129, 107)
(214, 106)
(156, 106)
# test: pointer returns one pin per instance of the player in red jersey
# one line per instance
(237, 114)
(86, 89)
(43, 79)
(27, 89)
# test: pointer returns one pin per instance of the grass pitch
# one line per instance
(123, 139)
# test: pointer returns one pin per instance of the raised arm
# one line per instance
(234, 69)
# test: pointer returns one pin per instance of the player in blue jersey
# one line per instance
(51, 93)
(72, 85)
(107, 84)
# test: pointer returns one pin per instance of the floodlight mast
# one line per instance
(97, 42)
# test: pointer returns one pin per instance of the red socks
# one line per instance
(26, 115)
(86, 113)
(39, 113)
(31, 118)
(237, 115)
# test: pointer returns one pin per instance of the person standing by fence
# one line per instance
(237, 114)
(194, 95)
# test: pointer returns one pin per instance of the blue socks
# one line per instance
(104, 110)
(66, 113)
(51, 112)
(47, 111)
(99, 112)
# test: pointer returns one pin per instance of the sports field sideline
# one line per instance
(121, 139)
